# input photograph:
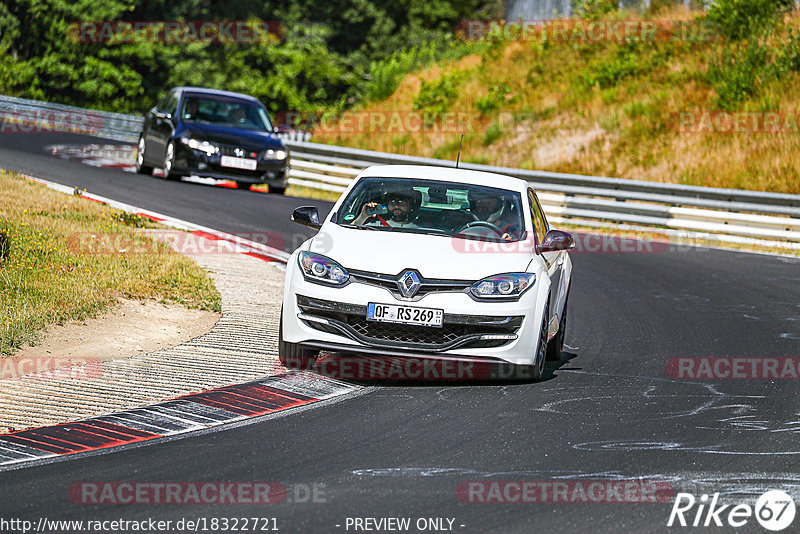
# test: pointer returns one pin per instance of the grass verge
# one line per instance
(58, 263)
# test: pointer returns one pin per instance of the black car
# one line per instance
(218, 134)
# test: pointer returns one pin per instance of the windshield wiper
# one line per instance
(360, 226)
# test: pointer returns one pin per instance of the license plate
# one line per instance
(238, 163)
(393, 313)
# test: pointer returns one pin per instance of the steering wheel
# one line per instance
(481, 224)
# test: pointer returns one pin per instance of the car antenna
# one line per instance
(458, 158)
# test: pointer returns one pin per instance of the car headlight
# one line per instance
(319, 268)
(203, 146)
(274, 154)
(503, 286)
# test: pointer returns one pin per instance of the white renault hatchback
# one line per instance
(429, 262)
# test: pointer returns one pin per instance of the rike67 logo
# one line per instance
(774, 510)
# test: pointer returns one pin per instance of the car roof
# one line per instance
(214, 92)
(447, 174)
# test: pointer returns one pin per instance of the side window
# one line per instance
(162, 105)
(172, 105)
(539, 220)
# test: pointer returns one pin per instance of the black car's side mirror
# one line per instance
(556, 240)
(307, 216)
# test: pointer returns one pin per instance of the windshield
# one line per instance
(433, 207)
(225, 112)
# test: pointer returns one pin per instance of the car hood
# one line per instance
(232, 136)
(388, 252)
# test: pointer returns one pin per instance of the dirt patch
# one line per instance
(132, 328)
(564, 148)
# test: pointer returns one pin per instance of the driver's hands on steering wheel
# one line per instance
(489, 226)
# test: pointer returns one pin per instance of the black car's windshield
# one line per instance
(433, 207)
(225, 112)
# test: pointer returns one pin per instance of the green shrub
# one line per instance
(438, 95)
(594, 9)
(740, 19)
(608, 72)
(736, 74)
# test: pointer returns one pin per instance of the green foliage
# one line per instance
(437, 96)
(386, 74)
(748, 61)
(497, 96)
(607, 72)
(740, 19)
(492, 134)
(329, 65)
(594, 9)
(736, 74)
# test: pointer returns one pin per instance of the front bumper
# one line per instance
(334, 318)
(274, 173)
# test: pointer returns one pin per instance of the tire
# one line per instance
(556, 345)
(141, 168)
(277, 190)
(292, 355)
(169, 161)
(535, 372)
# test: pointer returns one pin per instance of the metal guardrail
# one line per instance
(724, 214)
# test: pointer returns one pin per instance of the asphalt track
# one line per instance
(608, 411)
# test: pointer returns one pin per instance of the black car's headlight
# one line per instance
(319, 268)
(503, 286)
(271, 154)
(202, 146)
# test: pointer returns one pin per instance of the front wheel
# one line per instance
(536, 371)
(141, 168)
(242, 185)
(277, 190)
(169, 163)
(293, 356)
(556, 345)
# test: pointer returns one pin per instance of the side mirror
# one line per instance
(556, 240)
(307, 216)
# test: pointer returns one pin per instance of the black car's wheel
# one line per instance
(242, 185)
(169, 163)
(141, 168)
(277, 190)
(292, 355)
(556, 345)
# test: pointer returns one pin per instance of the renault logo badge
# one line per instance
(409, 283)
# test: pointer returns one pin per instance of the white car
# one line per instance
(429, 262)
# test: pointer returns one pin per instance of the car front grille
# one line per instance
(428, 285)
(230, 150)
(457, 331)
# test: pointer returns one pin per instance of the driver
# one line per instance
(190, 111)
(401, 207)
(238, 116)
(490, 208)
